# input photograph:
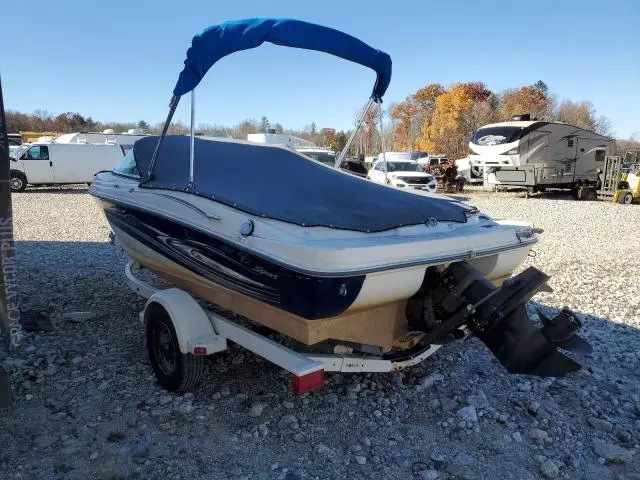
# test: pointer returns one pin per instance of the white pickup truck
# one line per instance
(53, 163)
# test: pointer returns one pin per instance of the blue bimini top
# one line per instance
(221, 40)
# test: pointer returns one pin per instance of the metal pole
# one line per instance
(172, 108)
(355, 132)
(192, 140)
(384, 155)
(10, 325)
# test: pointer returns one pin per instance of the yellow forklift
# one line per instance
(619, 182)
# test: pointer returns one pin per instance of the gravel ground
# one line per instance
(86, 404)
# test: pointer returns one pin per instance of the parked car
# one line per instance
(402, 174)
(433, 160)
(354, 166)
(322, 155)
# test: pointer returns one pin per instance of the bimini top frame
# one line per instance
(218, 41)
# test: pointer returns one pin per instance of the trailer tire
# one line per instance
(175, 371)
(18, 181)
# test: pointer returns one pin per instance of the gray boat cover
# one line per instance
(277, 183)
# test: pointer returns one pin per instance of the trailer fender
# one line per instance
(194, 330)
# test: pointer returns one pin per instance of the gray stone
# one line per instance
(623, 435)
(430, 380)
(462, 467)
(537, 434)
(361, 460)
(437, 457)
(468, 414)
(549, 469)
(612, 453)
(256, 410)
(354, 388)
(600, 424)
(323, 451)
(429, 475)
(517, 437)
(288, 421)
(186, 408)
(478, 400)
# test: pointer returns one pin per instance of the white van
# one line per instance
(52, 163)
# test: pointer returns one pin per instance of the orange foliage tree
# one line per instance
(328, 138)
(410, 115)
(444, 132)
(529, 99)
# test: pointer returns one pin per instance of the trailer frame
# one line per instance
(199, 332)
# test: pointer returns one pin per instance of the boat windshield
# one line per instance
(491, 136)
(128, 165)
(403, 167)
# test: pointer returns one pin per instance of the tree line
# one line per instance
(435, 119)
(70, 122)
(442, 120)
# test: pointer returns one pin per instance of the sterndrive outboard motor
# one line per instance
(460, 295)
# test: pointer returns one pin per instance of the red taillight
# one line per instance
(307, 383)
(199, 350)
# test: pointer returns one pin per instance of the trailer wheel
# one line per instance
(174, 370)
(17, 181)
(625, 199)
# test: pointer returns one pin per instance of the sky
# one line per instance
(119, 60)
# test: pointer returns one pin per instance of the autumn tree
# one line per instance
(328, 138)
(410, 115)
(403, 116)
(580, 114)
(530, 99)
(369, 130)
(341, 140)
(444, 132)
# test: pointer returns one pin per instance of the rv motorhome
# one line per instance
(538, 155)
(124, 140)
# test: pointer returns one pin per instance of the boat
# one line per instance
(315, 253)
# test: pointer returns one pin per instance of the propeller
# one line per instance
(562, 329)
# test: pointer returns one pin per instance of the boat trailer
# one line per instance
(450, 305)
(173, 313)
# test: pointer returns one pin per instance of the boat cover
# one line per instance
(281, 184)
(221, 40)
